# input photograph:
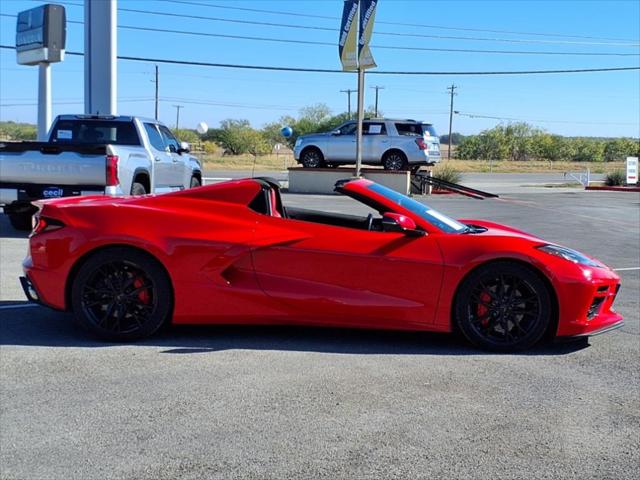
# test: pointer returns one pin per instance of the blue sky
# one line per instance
(591, 104)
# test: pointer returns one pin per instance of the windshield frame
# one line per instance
(384, 199)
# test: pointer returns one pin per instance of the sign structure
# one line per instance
(348, 35)
(41, 35)
(355, 55)
(367, 17)
(632, 170)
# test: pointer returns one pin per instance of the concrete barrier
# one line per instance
(322, 180)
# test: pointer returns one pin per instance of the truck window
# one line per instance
(100, 132)
(169, 140)
(155, 139)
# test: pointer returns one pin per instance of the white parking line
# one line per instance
(20, 305)
(626, 269)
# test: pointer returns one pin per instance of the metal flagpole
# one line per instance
(360, 118)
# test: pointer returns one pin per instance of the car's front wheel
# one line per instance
(503, 306)
(312, 158)
(121, 294)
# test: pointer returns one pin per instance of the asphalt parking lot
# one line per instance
(239, 402)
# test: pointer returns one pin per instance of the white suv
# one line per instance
(394, 144)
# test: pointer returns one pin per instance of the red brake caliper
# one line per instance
(485, 298)
(143, 294)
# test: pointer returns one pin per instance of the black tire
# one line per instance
(395, 160)
(312, 158)
(195, 182)
(503, 306)
(121, 294)
(138, 189)
(20, 221)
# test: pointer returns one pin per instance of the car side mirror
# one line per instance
(184, 147)
(396, 222)
(335, 132)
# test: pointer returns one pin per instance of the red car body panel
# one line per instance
(230, 264)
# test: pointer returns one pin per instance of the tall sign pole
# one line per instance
(357, 57)
(41, 35)
(100, 66)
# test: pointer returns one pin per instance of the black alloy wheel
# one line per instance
(312, 158)
(503, 307)
(121, 294)
(394, 160)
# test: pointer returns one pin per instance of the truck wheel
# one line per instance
(395, 160)
(20, 221)
(138, 189)
(195, 182)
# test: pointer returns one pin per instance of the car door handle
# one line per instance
(384, 141)
(157, 159)
(175, 160)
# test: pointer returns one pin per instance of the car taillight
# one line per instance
(421, 144)
(112, 171)
(44, 224)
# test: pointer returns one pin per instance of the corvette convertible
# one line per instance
(232, 253)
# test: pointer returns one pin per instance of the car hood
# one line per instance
(503, 231)
(496, 229)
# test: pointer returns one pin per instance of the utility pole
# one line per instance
(376, 89)
(178, 107)
(348, 92)
(452, 90)
(157, 89)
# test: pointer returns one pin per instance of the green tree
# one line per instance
(185, 135)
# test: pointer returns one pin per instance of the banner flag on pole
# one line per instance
(348, 36)
(367, 17)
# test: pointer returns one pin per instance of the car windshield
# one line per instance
(443, 222)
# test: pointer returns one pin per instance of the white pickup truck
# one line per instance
(93, 155)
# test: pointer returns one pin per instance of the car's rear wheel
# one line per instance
(121, 294)
(503, 306)
(312, 158)
(21, 221)
(395, 160)
(138, 189)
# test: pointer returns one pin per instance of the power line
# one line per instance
(403, 24)
(332, 44)
(371, 72)
(395, 34)
(384, 47)
(477, 115)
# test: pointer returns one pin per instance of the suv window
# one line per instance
(428, 130)
(411, 129)
(169, 139)
(100, 132)
(374, 129)
(348, 129)
(154, 137)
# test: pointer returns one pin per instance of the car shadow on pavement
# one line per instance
(27, 325)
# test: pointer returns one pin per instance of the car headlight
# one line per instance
(298, 142)
(568, 254)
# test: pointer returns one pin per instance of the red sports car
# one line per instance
(233, 253)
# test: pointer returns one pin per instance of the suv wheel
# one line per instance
(395, 160)
(312, 158)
